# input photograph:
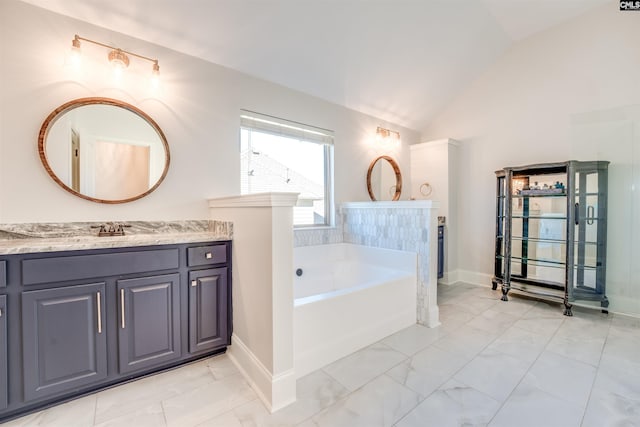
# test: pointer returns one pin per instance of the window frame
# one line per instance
(256, 122)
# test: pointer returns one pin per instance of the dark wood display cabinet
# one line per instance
(78, 321)
(551, 231)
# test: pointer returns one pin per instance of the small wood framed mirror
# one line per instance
(384, 180)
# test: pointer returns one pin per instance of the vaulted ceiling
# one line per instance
(399, 60)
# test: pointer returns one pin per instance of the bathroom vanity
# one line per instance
(75, 321)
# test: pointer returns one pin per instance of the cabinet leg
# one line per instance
(494, 285)
(505, 291)
(567, 309)
(605, 304)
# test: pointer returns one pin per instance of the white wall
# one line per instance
(527, 108)
(436, 163)
(197, 107)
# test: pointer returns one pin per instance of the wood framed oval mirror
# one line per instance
(384, 180)
(103, 150)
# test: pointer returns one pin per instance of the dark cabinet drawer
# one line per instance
(77, 267)
(206, 255)
(3, 274)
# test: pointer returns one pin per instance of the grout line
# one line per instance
(595, 377)
(95, 409)
(164, 414)
(530, 365)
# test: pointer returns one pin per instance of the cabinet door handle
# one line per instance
(99, 304)
(208, 255)
(194, 283)
(576, 213)
(122, 324)
(591, 214)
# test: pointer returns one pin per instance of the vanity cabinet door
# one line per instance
(207, 309)
(148, 321)
(64, 341)
(3, 352)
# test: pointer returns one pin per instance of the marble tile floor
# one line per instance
(519, 363)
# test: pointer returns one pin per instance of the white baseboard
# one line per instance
(275, 391)
(449, 277)
(454, 276)
(474, 278)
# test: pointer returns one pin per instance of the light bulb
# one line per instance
(118, 59)
(155, 75)
(76, 53)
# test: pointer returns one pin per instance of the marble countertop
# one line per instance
(30, 238)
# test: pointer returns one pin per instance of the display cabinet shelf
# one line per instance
(540, 240)
(522, 196)
(551, 231)
(538, 217)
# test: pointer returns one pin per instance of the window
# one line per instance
(283, 156)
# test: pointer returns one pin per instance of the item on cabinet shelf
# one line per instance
(556, 247)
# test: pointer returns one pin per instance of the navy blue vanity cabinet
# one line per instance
(3, 352)
(440, 251)
(3, 274)
(63, 338)
(208, 327)
(148, 321)
(74, 322)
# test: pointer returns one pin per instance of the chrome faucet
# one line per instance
(111, 229)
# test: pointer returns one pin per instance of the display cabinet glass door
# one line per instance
(587, 277)
(498, 272)
(538, 231)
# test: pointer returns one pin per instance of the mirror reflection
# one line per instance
(384, 181)
(103, 150)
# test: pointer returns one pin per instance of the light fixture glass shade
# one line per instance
(386, 136)
(155, 75)
(118, 59)
(76, 52)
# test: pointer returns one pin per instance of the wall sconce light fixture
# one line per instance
(386, 135)
(119, 58)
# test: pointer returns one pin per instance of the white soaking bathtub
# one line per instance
(347, 297)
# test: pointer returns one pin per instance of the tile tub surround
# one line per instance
(407, 226)
(411, 378)
(312, 236)
(48, 237)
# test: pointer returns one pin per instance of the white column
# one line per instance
(262, 289)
